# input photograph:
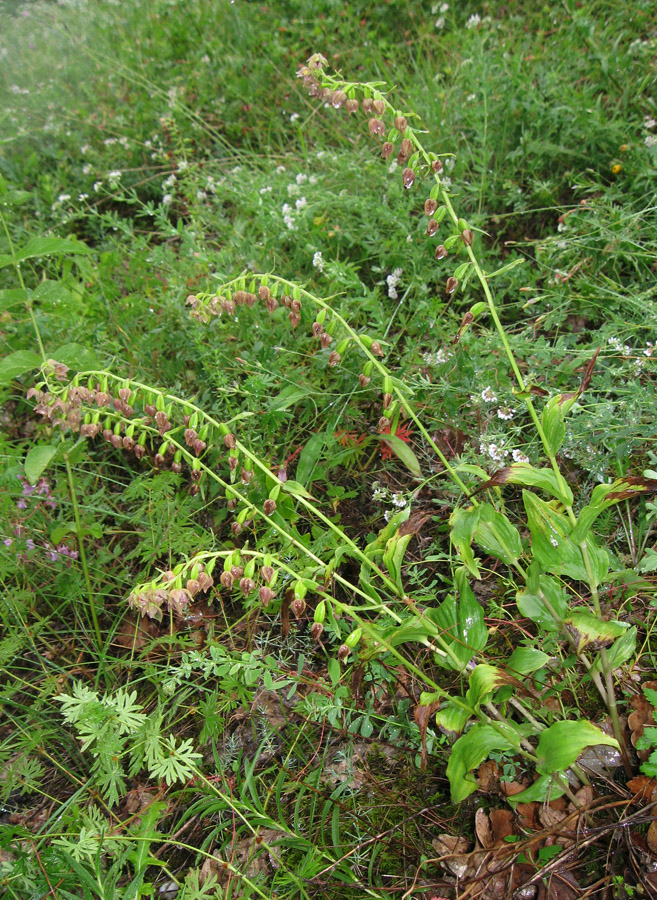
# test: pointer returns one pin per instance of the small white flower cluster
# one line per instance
(318, 261)
(519, 456)
(381, 492)
(288, 218)
(617, 345)
(61, 199)
(113, 176)
(495, 451)
(488, 395)
(504, 413)
(442, 9)
(436, 357)
(650, 140)
(474, 21)
(393, 282)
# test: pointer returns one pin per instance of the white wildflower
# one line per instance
(519, 456)
(301, 203)
(98, 185)
(294, 117)
(63, 198)
(649, 122)
(82, 197)
(651, 140)
(265, 190)
(504, 413)
(440, 23)
(85, 148)
(488, 395)
(170, 181)
(312, 179)
(398, 500)
(182, 165)
(166, 200)
(301, 178)
(473, 21)
(110, 141)
(393, 281)
(280, 170)
(114, 175)
(86, 169)
(201, 195)
(437, 357)
(292, 189)
(318, 262)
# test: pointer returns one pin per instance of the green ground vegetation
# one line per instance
(327, 369)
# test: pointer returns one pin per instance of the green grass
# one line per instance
(224, 751)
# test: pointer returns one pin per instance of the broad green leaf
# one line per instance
(77, 357)
(587, 628)
(527, 475)
(649, 561)
(393, 555)
(62, 531)
(469, 751)
(620, 651)
(16, 198)
(6, 260)
(296, 489)
(12, 297)
(538, 602)
(51, 292)
(606, 495)
(561, 744)
(463, 523)
(403, 452)
(50, 246)
(309, 458)
(525, 660)
(552, 547)
(18, 363)
(460, 624)
(552, 420)
(546, 787)
(495, 534)
(484, 679)
(37, 461)
(452, 718)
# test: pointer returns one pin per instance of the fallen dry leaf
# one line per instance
(641, 716)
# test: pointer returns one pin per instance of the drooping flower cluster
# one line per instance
(392, 128)
(125, 418)
(205, 307)
(175, 589)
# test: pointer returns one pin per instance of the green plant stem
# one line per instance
(79, 533)
(19, 275)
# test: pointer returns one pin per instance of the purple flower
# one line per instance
(7, 542)
(21, 504)
(29, 543)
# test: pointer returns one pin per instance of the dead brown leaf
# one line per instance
(641, 716)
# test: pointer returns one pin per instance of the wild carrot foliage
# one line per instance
(327, 455)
